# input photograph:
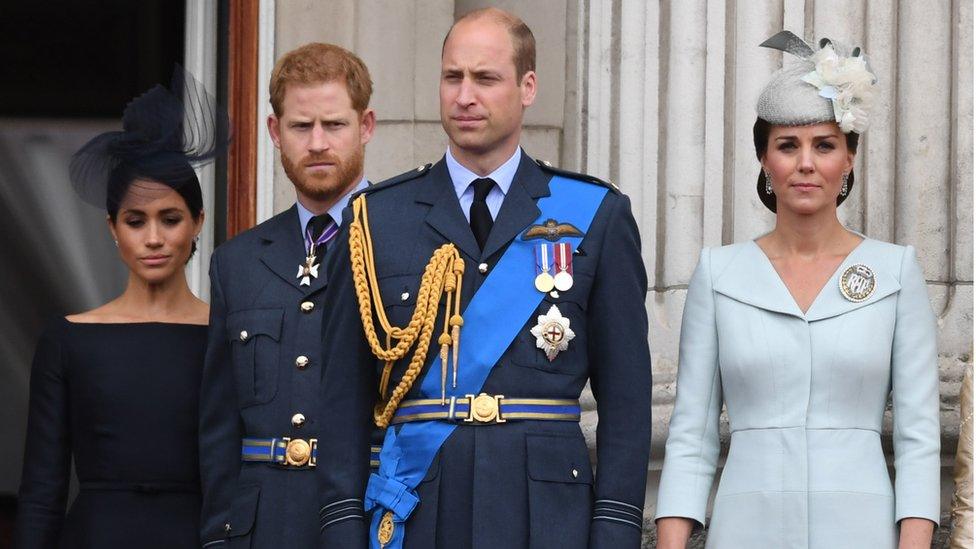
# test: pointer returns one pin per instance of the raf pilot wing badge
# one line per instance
(551, 230)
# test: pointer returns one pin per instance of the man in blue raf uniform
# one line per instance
(491, 288)
(259, 427)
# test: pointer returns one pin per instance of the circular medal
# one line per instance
(563, 281)
(544, 282)
(857, 283)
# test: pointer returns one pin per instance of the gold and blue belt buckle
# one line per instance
(485, 409)
(287, 451)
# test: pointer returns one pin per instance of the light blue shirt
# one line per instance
(304, 216)
(462, 178)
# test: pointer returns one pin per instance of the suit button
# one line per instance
(404, 296)
(307, 306)
(298, 420)
(483, 268)
(301, 362)
(226, 527)
(243, 335)
(575, 473)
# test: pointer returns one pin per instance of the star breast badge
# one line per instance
(552, 333)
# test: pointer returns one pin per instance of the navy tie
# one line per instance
(481, 221)
(319, 226)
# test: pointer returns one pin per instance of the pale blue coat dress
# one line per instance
(806, 396)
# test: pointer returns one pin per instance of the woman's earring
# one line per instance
(843, 184)
(116, 243)
(196, 238)
(769, 183)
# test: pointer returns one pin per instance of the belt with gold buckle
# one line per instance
(287, 451)
(485, 409)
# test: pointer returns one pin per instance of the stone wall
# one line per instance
(400, 42)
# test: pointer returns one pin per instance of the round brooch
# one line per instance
(857, 283)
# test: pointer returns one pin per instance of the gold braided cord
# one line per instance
(441, 276)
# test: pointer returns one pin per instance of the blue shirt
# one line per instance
(462, 178)
(304, 216)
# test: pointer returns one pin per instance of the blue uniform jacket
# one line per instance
(523, 483)
(254, 384)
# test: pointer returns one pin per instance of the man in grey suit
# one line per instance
(259, 424)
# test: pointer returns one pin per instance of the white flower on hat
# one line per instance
(847, 82)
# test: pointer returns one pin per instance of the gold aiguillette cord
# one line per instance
(442, 276)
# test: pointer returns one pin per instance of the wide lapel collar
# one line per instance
(831, 302)
(284, 249)
(750, 278)
(519, 208)
(445, 215)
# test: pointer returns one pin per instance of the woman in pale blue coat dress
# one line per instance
(803, 334)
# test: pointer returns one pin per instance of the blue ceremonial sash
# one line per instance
(492, 320)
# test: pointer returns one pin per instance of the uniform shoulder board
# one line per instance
(405, 176)
(547, 166)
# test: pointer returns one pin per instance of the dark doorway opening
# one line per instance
(74, 59)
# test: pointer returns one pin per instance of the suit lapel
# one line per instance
(445, 215)
(517, 212)
(831, 302)
(519, 208)
(284, 249)
(751, 278)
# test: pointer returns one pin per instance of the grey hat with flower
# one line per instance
(829, 83)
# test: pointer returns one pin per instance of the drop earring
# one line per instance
(769, 182)
(843, 184)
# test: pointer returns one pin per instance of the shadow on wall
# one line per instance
(69, 70)
(58, 258)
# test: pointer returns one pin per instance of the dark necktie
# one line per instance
(481, 221)
(321, 230)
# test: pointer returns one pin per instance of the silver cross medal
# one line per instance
(308, 270)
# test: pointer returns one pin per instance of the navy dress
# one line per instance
(122, 401)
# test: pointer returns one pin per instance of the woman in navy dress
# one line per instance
(115, 389)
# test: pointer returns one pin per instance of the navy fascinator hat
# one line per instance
(165, 134)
